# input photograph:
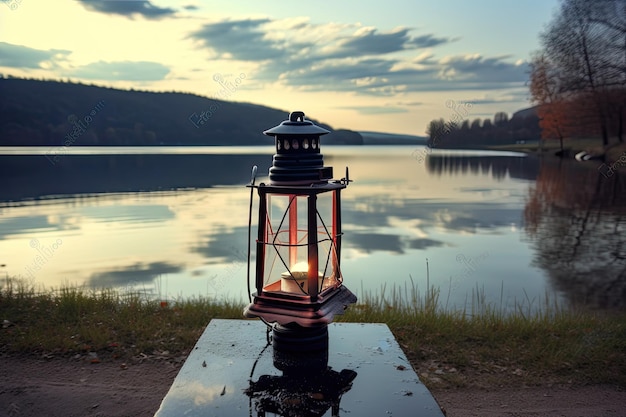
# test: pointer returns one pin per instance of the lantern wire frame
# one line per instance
(332, 249)
(345, 181)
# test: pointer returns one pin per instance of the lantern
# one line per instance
(299, 285)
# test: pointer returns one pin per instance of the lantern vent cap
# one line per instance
(296, 125)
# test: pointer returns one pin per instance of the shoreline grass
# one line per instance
(480, 347)
(486, 346)
(610, 154)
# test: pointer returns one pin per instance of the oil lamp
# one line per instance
(299, 286)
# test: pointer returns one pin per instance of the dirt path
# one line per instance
(590, 401)
(69, 387)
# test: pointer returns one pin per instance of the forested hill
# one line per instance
(51, 113)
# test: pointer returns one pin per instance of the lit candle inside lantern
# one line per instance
(294, 280)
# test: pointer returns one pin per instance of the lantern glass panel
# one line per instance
(289, 262)
(327, 241)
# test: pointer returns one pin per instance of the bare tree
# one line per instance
(586, 42)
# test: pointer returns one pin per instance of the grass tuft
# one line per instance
(484, 345)
(480, 346)
(74, 321)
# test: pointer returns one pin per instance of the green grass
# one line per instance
(481, 345)
(72, 320)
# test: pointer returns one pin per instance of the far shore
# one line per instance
(571, 147)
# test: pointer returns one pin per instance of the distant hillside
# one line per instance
(51, 113)
(529, 112)
(380, 138)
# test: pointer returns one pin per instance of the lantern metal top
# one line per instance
(298, 160)
(296, 125)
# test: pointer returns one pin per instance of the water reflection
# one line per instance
(298, 395)
(131, 275)
(576, 220)
(33, 176)
(500, 166)
(223, 244)
(563, 235)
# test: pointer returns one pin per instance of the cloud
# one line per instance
(19, 56)
(348, 57)
(373, 242)
(376, 109)
(368, 41)
(429, 41)
(409, 103)
(138, 273)
(122, 71)
(425, 243)
(128, 8)
(514, 95)
(239, 39)
(476, 67)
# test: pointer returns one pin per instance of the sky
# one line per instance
(388, 66)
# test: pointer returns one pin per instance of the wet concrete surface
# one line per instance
(231, 372)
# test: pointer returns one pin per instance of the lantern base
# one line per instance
(277, 308)
(300, 349)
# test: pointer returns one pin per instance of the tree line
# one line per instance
(522, 127)
(578, 77)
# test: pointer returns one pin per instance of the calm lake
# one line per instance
(174, 222)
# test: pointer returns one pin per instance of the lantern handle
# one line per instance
(253, 176)
(295, 115)
(346, 180)
(251, 185)
(252, 180)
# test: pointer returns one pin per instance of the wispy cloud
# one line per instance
(239, 39)
(121, 71)
(369, 41)
(375, 109)
(19, 56)
(362, 60)
(128, 8)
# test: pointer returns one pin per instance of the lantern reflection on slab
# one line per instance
(313, 396)
(299, 286)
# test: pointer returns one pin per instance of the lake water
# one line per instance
(173, 222)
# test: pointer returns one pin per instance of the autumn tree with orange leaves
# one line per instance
(546, 91)
(578, 80)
